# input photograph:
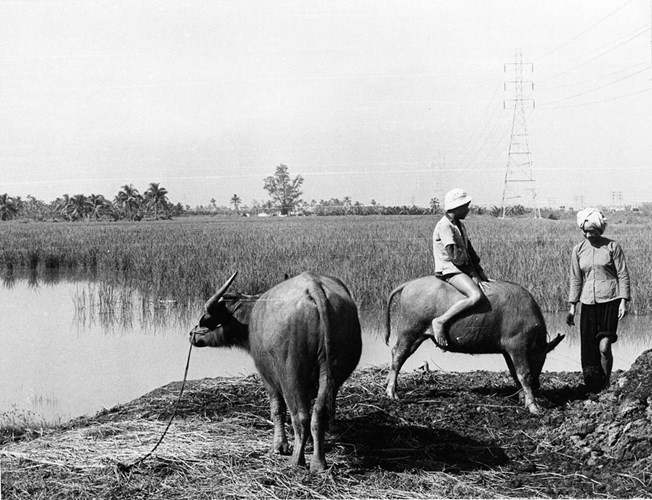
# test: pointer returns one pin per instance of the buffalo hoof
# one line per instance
(298, 460)
(317, 465)
(391, 394)
(534, 409)
(282, 449)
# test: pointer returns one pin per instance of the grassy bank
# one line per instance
(453, 435)
(186, 259)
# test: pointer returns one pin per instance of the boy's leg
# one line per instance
(472, 295)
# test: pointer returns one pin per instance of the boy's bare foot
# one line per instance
(439, 333)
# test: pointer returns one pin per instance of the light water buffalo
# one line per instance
(509, 322)
(304, 337)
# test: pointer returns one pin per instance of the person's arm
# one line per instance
(460, 257)
(622, 272)
(575, 288)
(457, 255)
(475, 261)
(570, 317)
(624, 292)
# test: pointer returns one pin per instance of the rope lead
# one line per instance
(124, 468)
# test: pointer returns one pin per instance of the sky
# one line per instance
(392, 101)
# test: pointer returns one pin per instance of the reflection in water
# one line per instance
(72, 347)
(9, 278)
(43, 400)
(33, 277)
(122, 309)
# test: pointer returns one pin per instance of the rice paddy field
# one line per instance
(452, 435)
(185, 260)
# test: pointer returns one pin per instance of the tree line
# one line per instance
(128, 204)
(284, 199)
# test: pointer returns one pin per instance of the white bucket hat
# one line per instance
(456, 197)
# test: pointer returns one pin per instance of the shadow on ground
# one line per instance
(380, 440)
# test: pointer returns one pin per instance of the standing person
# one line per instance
(599, 279)
(456, 261)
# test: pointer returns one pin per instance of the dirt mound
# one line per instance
(636, 383)
(616, 424)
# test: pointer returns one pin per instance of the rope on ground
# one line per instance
(124, 468)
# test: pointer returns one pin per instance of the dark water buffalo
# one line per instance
(304, 337)
(509, 322)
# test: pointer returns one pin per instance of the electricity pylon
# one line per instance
(519, 178)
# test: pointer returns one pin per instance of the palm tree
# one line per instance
(97, 204)
(156, 196)
(434, 205)
(61, 206)
(78, 207)
(19, 203)
(347, 204)
(235, 201)
(129, 199)
(8, 208)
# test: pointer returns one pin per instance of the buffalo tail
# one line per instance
(388, 319)
(321, 301)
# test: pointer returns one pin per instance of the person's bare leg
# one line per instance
(606, 359)
(469, 288)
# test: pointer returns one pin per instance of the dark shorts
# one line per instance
(448, 276)
(599, 320)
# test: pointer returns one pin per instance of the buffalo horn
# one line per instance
(218, 295)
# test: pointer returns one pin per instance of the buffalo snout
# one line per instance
(198, 336)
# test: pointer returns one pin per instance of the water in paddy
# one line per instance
(74, 348)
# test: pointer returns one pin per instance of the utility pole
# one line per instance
(616, 200)
(518, 174)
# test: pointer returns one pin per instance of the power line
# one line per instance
(601, 101)
(597, 88)
(579, 35)
(591, 80)
(464, 147)
(636, 33)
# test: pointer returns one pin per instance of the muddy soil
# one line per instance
(469, 429)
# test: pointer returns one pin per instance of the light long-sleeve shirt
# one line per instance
(598, 273)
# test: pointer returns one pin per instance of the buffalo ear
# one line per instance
(210, 303)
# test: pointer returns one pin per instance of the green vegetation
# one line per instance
(284, 191)
(127, 204)
(187, 259)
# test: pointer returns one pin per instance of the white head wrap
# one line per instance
(591, 218)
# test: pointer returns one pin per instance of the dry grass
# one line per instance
(452, 436)
(203, 456)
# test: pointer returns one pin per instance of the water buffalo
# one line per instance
(508, 322)
(304, 337)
